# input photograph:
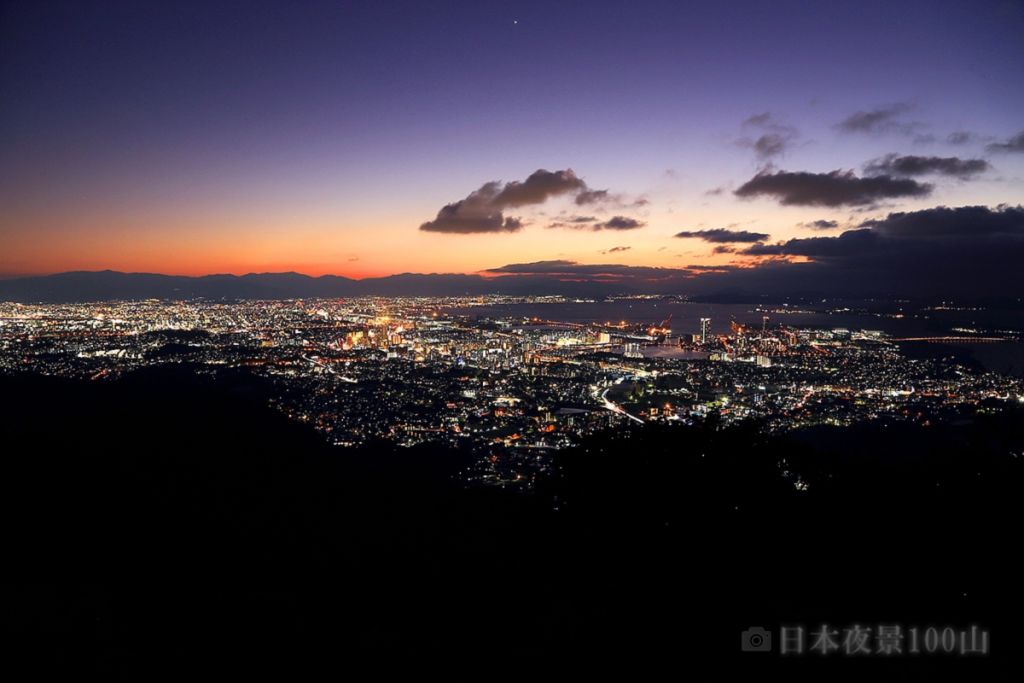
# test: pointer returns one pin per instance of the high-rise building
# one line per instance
(705, 329)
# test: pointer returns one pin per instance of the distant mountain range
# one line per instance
(108, 285)
(801, 282)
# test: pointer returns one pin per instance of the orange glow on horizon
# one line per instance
(315, 243)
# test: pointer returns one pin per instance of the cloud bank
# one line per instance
(904, 166)
(836, 188)
(483, 210)
(885, 119)
(772, 138)
(721, 235)
(960, 251)
(1014, 144)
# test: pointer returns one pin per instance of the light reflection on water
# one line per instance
(1002, 357)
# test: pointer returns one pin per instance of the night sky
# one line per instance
(371, 138)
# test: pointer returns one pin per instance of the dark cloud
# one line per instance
(608, 199)
(968, 222)
(821, 224)
(963, 251)
(619, 223)
(699, 268)
(572, 269)
(1014, 144)
(618, 249)
(572, 221)
(723, 249)
(960, 137)
(592, 197)
(721, 235)
(538, 188)
(715, 191)
(896, 165)
(967, 226)
(881, 120)
(759, 120)
(818, 247)
(483, 210)
(474, 214)
(773, 139)
(969, 252)
(770, 145)
(837, 188)
(585, 222)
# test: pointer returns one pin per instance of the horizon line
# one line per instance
(4, 277)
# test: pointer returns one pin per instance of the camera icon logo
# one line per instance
(756, 639)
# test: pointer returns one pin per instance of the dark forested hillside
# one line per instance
(164, 522)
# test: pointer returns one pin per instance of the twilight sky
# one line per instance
(370, 138)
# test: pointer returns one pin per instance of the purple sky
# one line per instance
(319, 136)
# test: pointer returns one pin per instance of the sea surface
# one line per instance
(1006, 357)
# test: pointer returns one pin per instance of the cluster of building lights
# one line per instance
(510, 388)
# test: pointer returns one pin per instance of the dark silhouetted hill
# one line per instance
(85, 286)
(169, 524)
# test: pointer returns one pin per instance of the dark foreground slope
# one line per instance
(167, 525)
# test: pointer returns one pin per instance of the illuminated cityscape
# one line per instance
(512, 389)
